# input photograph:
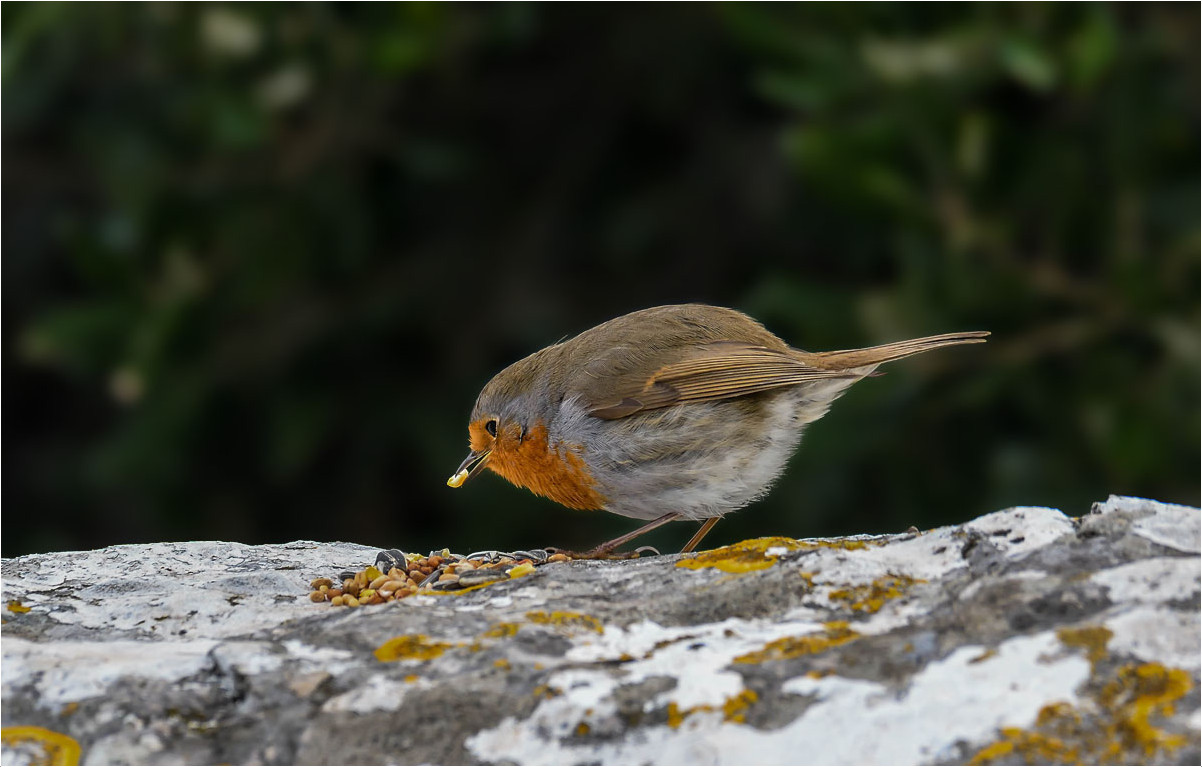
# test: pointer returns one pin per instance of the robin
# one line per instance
(683, 412)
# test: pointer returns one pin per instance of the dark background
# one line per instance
(259, 259)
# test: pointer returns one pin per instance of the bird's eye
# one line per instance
(491, 427)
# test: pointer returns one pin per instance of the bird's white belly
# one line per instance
(701, 460)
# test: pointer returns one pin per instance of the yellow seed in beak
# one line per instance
(457, 479)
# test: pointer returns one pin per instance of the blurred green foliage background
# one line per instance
(260, 259)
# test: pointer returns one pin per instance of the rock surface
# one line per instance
(1022, 636)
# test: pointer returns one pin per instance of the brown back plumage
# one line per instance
(694, 353)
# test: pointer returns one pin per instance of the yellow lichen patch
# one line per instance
(1139, 693)
(871, 597)
(411, 678)
(675, 716)
(843, 544)
(1117, 728)
(734, 709)
(741, 557)
(1033, 748)
(501, 663)
(582, 729)
(808, 577)
(50, 747)
(411, 647)
(1092, 638)
(501, 631)
(567, 620)
(995, 750)
(15, 606)
(544, 691)
(835, 633)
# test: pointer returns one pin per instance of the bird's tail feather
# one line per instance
(875, 355)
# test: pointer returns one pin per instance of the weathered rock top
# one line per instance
(1022, 636)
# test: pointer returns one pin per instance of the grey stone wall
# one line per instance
(1023, 636)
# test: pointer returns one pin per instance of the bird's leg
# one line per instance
(604, 551)
(706, 526)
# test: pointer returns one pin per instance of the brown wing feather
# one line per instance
(712, 371)
(689, 352)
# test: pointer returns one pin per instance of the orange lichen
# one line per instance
(741, 557)
(15, 606)
(734, 709)
(842, 544)
(835, 633)
(501, 631)
(1115, 727)
(411, 647)
(547, 692)
(567, 620)
(1033, 747)
(51, 747)
(1093, 639)
(870, 598)
(676, 716)
(1139, 693)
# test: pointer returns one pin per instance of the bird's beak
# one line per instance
(470, 467)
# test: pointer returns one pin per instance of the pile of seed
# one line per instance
(397, 575)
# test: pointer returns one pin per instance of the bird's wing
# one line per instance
(703, 372)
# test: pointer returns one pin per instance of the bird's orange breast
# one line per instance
(558, 472)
